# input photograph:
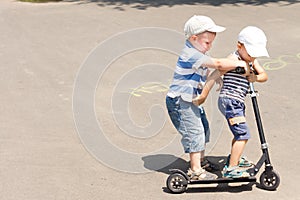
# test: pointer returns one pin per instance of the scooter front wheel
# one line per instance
(269, 180)
(177, 183)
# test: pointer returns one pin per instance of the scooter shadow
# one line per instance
(164, 162)
(221, 187)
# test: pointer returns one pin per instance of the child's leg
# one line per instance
(196, 172)
(236, 151)
(206, 130)
(202, 154)
(187, 120)
(195, 161)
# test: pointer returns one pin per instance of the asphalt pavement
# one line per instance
(83, 88)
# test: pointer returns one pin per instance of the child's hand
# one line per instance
(252, 77)
(200, 99)
(245, 65)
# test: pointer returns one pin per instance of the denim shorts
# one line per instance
(191, 122)
(231, 108)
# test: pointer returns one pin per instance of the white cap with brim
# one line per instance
(199, 24)
(254, 40)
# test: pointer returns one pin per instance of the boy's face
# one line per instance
(203, 41)
(244, 54)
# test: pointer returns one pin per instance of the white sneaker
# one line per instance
(201, 175)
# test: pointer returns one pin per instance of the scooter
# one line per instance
(178, 180)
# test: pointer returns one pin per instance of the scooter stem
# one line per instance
(264, 145)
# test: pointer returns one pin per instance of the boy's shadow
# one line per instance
(164, 162)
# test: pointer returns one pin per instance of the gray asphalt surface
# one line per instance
(43, 154)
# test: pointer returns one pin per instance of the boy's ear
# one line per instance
(239, 45)
(193, 37)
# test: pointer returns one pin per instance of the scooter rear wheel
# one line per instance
(269, 180)
(177, 183)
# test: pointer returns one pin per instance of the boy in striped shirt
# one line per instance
(251, 45)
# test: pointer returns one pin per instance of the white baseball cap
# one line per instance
(199, 24)
(254, 40)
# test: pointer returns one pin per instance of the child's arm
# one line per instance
(225, 64)
(260, 76)
(211, 80)
(216, 75)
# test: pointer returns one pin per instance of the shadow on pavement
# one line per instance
(158, 163)
(164, 162)
(144, 4)
(222, 187)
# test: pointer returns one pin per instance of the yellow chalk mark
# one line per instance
(149, 88)
(281, 62)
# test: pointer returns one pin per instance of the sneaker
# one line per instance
(242, 163)
(201, 175)
(234, 172)
(208, 166)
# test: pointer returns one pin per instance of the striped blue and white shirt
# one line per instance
(189, 75)
(234, 85)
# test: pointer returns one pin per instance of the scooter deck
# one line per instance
(224, 180)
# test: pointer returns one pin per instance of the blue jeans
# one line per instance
(232, 108)
(188, 120)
